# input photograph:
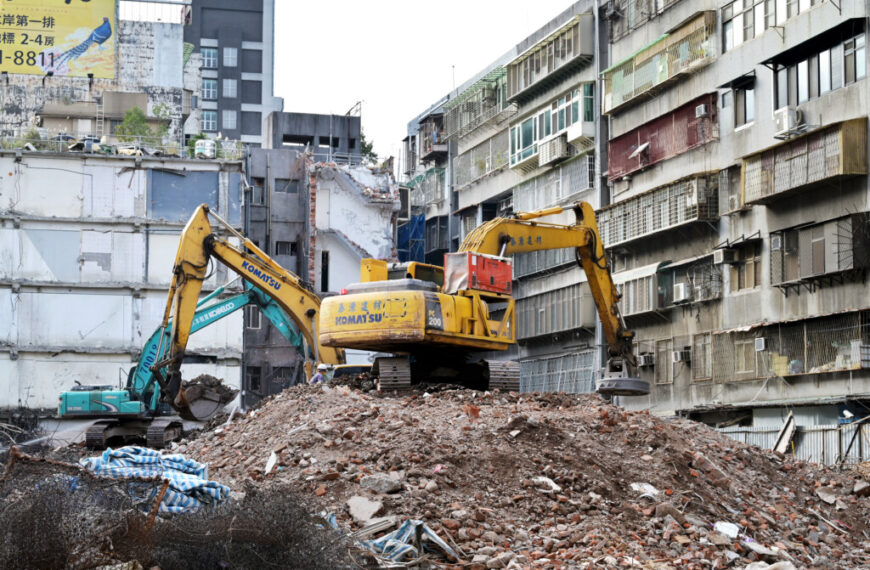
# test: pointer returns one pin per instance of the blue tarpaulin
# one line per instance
(189, 487)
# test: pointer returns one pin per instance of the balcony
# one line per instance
(692, 125)
(430, 185)
(481, 106)
(551, 59)
(822, 156)
(488, 157)
(556, 312)
(561, 185)
(433, 144)
(691, 200)
(674, 55)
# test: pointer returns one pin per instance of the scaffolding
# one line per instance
(571, 373)
(665, 60)
(686, 201)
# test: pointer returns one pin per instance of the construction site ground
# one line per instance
(527, 481)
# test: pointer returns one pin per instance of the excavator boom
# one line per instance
(198, 245)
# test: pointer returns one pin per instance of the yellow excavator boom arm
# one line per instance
(505, 236)
(197, 246)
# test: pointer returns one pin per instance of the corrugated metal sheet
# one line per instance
(819, 444)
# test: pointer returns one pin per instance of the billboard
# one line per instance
(70, 38)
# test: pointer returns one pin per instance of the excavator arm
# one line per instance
(198, 245)
(522, 233)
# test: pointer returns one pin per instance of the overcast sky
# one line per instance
(396, 56)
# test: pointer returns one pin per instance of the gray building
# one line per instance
(724, 146)
(276, 219)
(236, 43)
(329, 138)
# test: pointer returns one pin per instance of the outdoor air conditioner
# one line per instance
(760, 344)
(682, 293)
(646, 360)
(681, 356)
(553, 150)
(722, 256)
(701, 111)
(786, 120)
(733, 203)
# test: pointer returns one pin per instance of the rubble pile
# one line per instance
(548, 480)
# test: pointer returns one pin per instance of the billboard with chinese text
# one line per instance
(72, 38)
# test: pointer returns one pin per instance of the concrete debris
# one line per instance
(572, 489)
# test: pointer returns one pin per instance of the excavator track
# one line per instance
(394, 373)
(95, 435)
(162, 431)
(504, 375)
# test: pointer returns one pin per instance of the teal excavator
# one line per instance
(135, 410)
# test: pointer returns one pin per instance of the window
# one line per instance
(282, 375)
(744, 353)
(746, 271)
(231, 56)
(209, 89)
(228, 119)
(257, 194)
(230, 88)
(209, 120)
(824, 71)
(744, 106)
(743, 20)
(324, 271)
(589, 102)
(253, 319)
(702, 357)
(286, 185)
(285, 248)
(664, 361)
(209, 57)
(252, 378)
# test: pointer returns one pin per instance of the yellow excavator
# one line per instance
(438, 322)
(199, 245)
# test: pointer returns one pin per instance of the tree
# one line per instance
(367, 149)
(134, 125)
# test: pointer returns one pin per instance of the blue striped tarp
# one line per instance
(189, 487)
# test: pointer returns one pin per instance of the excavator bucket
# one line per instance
(202, 398)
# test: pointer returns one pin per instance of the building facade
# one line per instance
(87, 245)
(235, 44)
(724, 147)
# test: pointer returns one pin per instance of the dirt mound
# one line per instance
(546, 480)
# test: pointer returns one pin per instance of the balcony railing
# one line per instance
(550, 59)
(432, 141)
(825, 155)
(430, 184)
(484, 159)
(558, 186)
(481, 105)
(673, 55)
(686, 201)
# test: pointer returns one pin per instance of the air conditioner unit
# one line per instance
(733, 203)
(487, 96)
(701, 111)
(760, 344)
(552, 150)
(681, 356)
(692, 194)
(721, 256)
(646, 360)
(682, 293)
(786, 120)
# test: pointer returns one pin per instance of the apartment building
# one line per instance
(724, 146)
(235, 41)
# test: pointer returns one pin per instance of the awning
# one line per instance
(739, 241)
(688, 260)
(637, 273)
(745, 80)
(817, 43)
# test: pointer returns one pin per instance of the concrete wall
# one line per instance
(301, 131)
(86, 252)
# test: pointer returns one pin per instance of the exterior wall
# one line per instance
(86, 251)
(311, 132)
(277, 211)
